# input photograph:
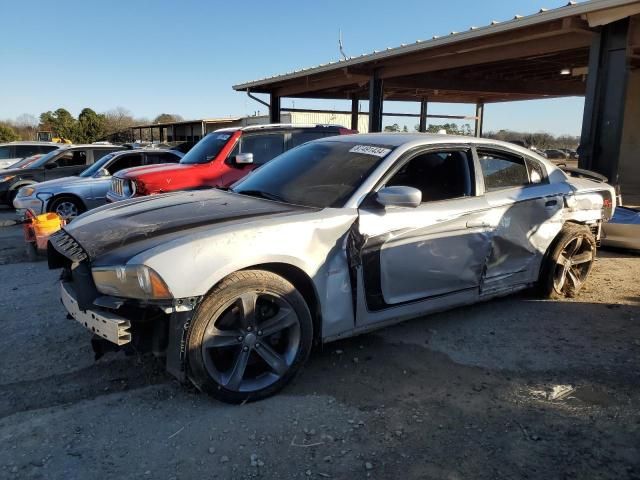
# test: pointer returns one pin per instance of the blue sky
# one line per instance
(184, 56)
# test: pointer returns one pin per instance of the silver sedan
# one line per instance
(331, 239)
(71, 196)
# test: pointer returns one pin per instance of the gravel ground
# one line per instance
(512, 388)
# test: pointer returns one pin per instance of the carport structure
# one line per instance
(589, 49)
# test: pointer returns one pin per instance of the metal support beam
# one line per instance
(604, 106)
(376, 100)
(151, 133)
(274, 109)
(424, 105)
(479, 119)
(355, 104)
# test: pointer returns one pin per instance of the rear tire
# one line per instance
(568, 262)
(250, 336)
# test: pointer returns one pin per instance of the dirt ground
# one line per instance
(512, 388)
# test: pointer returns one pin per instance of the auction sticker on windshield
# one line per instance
(369, 150)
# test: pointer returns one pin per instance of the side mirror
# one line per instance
(103, 172)
(399, 196)
(49, 166)
(244, 158)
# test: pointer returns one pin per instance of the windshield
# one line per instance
(93, 169)
(207, 149)
(26, 161)
(318, 174)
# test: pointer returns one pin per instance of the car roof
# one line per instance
(282, 126)
(148, 150)
(32, 142)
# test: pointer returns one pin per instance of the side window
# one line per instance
(263, 147)
(5, 152)
(125, 161)
(161, 157)
(46, 148)
(99, 153)
(300, 137)
(23, 151)
(438, 175)
(72, 159)
(501, 170)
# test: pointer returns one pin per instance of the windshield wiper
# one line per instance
(261, 194)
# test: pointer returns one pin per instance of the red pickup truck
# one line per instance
(218, 160)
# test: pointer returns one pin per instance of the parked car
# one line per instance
(555, 154)
(71, 196)
(62, 162)
(219, 159)
(333, 238)
(12, 152)
(623, 230)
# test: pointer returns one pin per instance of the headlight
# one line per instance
(6, 178)
(130, 281)
(26, 191)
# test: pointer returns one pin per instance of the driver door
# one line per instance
(413, 260)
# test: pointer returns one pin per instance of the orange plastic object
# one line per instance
(43, 226)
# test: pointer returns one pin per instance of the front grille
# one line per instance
(67, 246)
(117, 185)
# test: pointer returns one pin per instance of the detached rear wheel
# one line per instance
(249, 337)
(569, 262)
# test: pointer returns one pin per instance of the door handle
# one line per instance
(551, 203)
(478, 224)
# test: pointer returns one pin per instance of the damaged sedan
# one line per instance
(333, 238)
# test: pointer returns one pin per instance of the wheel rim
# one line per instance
(252, 343)
(573, 265)
(67, 210)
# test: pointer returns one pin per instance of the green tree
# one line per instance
(167, 118)
(90, 126)
(60, 122)
(392, 128)
(8, 134)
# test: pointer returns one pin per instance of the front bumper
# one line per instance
(31, 204)
(105, 324)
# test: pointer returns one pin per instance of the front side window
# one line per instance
(161, 157)
(71, 159)
(125, 161)
(263, 147)
(501, 170)
(207, 149)
(302, 136)
(438, 175)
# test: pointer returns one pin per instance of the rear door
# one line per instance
(527, 212)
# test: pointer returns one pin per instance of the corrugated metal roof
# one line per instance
(544, 15)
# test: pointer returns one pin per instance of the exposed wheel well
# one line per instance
(304, 285)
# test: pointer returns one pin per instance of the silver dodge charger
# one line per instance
(334, 238)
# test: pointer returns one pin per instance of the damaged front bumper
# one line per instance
(130, 326)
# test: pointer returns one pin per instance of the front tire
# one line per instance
(250, 336)
(568, 263)
(67, 208)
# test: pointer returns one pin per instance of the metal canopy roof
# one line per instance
(514, 60)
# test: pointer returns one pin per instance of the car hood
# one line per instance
(164, 168)
(19, 171)
(133, 226)
(63, 182)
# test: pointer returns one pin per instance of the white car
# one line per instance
(13, 152)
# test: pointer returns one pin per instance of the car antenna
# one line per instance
(340, 45)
